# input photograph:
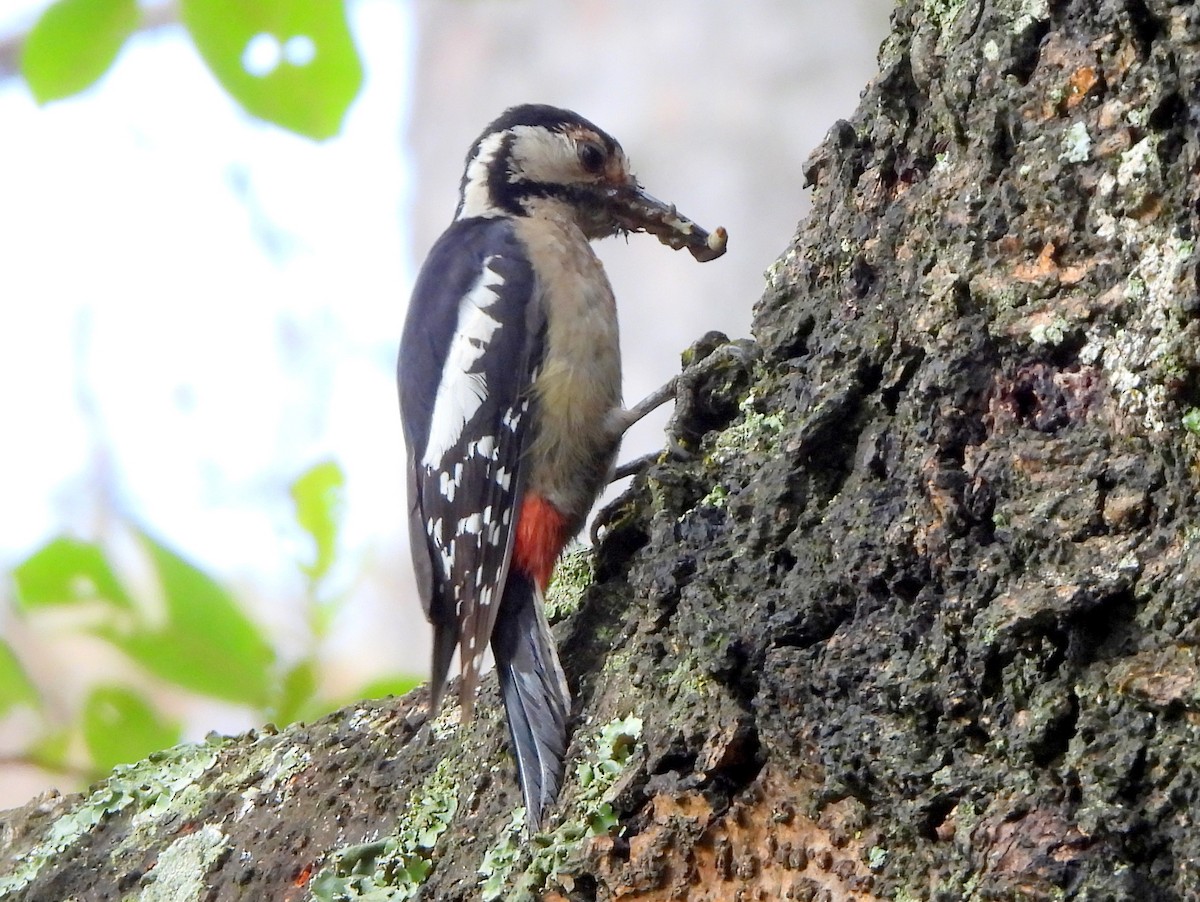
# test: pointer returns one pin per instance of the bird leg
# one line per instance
(635, 466)
(718, 353)
(683, 389)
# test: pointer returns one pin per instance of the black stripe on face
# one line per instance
(504, 194)
(508, 195)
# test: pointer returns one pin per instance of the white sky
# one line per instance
(212, 301)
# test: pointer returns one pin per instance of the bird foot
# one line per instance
(694, 394)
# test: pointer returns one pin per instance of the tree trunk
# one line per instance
(917, 618)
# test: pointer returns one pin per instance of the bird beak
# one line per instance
(636, 211)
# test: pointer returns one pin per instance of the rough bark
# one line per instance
(917, 617)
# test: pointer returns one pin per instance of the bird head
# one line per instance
(537, 160)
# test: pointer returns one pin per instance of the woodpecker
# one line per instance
(510, 395)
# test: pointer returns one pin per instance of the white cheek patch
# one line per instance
(461, 392)
(540, 155)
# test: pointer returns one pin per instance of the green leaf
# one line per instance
(291, 62)
(396, 684)
(207, 644)
(67, 571)
(120, 726)
(299, 686)
(15, 686)
(74, 43)
(51, 751)
(319, 497)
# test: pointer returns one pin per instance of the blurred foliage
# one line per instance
(194, 635)
(74, 43)
(290, 62)
(15, 687)
(317, 496)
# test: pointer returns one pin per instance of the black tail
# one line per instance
(535, 693)
(445, 638)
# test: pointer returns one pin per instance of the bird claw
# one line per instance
(700, 402)
(711, 354)
(636, 466)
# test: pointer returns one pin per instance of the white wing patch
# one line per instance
(512, 417)
(448, 484)
(461, 392)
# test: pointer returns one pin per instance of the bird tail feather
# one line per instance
(443, 653)
(535, 694)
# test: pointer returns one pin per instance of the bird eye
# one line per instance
(591, 156)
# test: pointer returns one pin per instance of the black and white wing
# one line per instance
(471, 342)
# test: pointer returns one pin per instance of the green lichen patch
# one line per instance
(1139, 163)
(943, 13)
(448, 722)
(1076, 144)
(598, 773)
(501, 858)
(717, 497)
(689, 682)
(396, 867)
(1143, 358)
(164, 782)
(754, 431)
(277, 763)
(554, 855)
(179, 872)
(1191, 420)
(571, 579)
(1050, 333)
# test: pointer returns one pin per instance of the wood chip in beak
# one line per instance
(636, 211)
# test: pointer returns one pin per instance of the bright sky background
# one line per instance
(180, 283)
